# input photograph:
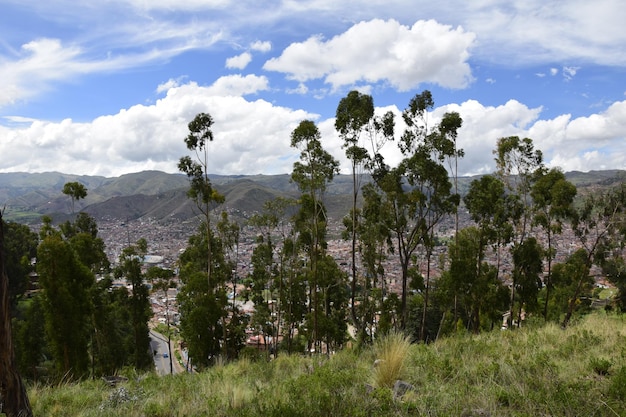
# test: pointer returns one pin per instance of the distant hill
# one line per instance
(162, 196)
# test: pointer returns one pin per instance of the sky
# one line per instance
(108, 87)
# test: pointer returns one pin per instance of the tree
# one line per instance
(354, 115)
(203, 310)
(82, 235)
(20, 247)
(553, 198)
(312, 173)
(129, 267)
(600, 226)
(518, 165)
(571, 277)
(418, 191)
(66, 284)
(201, 190)
(527, 268)
(76, 191)
(12, 391)
(473, 281)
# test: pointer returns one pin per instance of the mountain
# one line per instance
(161, 196)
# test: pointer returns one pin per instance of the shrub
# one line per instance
(391, 352)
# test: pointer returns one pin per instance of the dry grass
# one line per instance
(391, 353)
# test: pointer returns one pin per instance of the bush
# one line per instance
(391, 353)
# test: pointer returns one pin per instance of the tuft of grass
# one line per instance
(391, 352)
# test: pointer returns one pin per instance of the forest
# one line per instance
(532, 253)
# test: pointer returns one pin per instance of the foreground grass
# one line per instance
(546, 371)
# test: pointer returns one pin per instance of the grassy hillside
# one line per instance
(543, 371)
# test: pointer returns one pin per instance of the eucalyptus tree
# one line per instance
(354, 115)
(600, 225)
(374, 244)
(12, 390)
(66, 285)
(201, 190)
(228, 233)
(474, 281)
(20, 247)
(418, 191)
(312, 173)
(489, 207)
(553, 198)
(130, 268)
(518, 165)
(276, 224)
(204, 325)
(82, 235)
(75, 190)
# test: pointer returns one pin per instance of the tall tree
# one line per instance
(75, 190)
(12, 391)
(66, 285)
(418, 191)
(489, 207)
(553, 197)
(312, 173)
(130, 267)
(201, 190)
(203, 310)
(20, 247)
(518, 165)
(600, 225)
(354, 115)
(474, 280)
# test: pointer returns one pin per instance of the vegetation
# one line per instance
(78, 325)
(541, 370)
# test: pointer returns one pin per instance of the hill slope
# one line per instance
(540, 371)
(162, 196)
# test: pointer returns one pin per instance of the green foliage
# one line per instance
(67, 284)
(504, 373)
(20, 246)
(75, 190)
(139, 303)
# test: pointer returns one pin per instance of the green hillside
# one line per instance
(533, 371)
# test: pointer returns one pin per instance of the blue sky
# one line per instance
(108, 87)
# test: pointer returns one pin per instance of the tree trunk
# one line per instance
(13, 396)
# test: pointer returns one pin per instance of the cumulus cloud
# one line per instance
(261, 46)
(240, 61)
(252, 136)
(382, 51)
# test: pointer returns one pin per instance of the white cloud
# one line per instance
(238, 85)
(261, 46)
(240, 61)
(171, 83)
(253, 136)
(250, 136)
(382, 51)
(39, 62)
(570, 72)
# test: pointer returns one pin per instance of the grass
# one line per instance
(543, 371)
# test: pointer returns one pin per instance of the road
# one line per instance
(163, 363)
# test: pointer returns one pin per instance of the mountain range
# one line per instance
(161, 196)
